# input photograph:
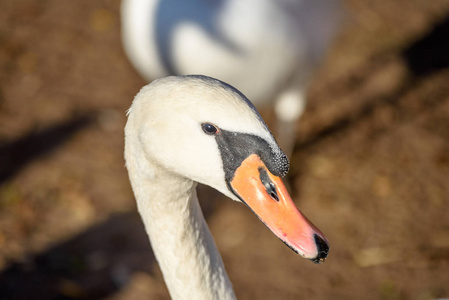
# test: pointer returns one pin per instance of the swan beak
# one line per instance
(267, 196)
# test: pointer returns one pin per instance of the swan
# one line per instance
(184, 130)
(267, 49)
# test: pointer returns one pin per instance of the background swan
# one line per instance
(188, 129)
(266, 48)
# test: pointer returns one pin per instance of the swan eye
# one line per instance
(209, 129)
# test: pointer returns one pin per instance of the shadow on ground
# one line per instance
(92, 265)
(17, 154)
(424, 57)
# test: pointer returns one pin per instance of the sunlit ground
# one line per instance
(370, 167)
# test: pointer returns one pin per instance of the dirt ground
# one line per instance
(370, 166)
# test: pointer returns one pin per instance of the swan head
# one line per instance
(203, 129)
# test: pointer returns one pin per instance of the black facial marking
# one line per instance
(236, 147)
(269, 185)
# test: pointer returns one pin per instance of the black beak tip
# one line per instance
(323, 250)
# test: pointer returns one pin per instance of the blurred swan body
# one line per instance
(188, 129)
(265, 48)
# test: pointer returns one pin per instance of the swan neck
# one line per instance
(182, 243)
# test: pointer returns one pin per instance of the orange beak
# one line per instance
(268, 198)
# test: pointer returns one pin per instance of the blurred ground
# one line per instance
(370, 168)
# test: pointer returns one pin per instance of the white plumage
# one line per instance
(168, 150)
(265, 48)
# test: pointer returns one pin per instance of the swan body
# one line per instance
(265, 48)
(188, 129)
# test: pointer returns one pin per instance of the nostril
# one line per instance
(323, 249)
(274, 194)
(269, 185)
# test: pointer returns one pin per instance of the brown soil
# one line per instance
(370, 167)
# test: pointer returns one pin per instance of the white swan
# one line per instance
(265, 48)
(188, 129)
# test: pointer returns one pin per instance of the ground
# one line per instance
(370, 166)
